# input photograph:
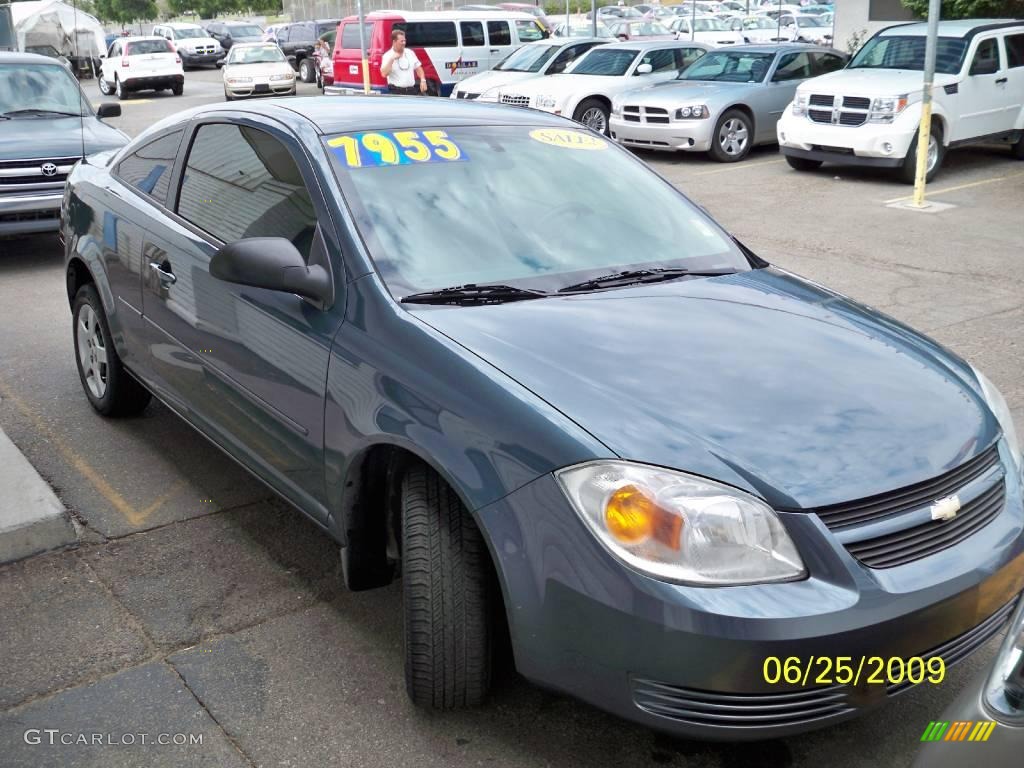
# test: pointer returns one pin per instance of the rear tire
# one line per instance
(446, 596)
(119, 90)
(908, 171)
(802, 163)
(1017, 150)
(111, 390)
(105, 88)
(307, 73)
(178, 89)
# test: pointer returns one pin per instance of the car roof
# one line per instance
(777, 48)
(443, 15)
(633, 45)
(16, 57)
(962, 28)
(256, 44)
(138, 38)
(180, 25)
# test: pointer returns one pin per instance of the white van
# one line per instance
(452, 45)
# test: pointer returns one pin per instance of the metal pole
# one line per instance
(693, 21)
(568, 27)
(778, 25)
(593, 23)
(925, 129)
(362, 47)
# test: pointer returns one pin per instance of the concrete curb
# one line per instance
(32, 519)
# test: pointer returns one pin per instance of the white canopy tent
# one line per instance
(74, 34)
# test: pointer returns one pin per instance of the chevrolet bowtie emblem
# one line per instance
(946, 509)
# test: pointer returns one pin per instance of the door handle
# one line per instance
(164, 275)
(1000, 81)
(495, 50)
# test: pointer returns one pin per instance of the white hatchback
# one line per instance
(257, 69)
(141, 64)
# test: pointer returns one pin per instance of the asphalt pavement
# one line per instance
(198, 605)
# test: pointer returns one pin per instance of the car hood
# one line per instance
(565, 84)
(758, 379)
(56, 137)
(678, 92)
(257, 70)
(486, 81)
(870, 82)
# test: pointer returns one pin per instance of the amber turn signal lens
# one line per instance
(632, 517)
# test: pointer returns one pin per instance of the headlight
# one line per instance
(234, 80)
(697, 112)
(681, 528)
(1001, 411)
(883, 110)
(800, 104)
(286, 76)
(1004, 691)
(617, 105)
(547, 102)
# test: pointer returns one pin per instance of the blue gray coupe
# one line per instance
(654, 459)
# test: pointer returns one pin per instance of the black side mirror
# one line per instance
(985, 67)
(108, 110)
(272, 263)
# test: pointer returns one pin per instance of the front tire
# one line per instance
(1017, 150)
(306, 71)
(733, 137)
(593, 114)
(109, 387)
(802, 163)
(446, 596)
(936, 153)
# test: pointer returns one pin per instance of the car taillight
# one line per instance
(124, 61)
(177, 59)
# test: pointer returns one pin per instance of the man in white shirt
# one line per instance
(401, 67)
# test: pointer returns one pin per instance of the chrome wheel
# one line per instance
(933, 152)
(733, 137)
(594, 119)
(92, 351)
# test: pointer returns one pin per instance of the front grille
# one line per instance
(9, 218)
(464, 95)
(515, 101)
(962, 646)
(818, 100)
(852, 118)
(853, 110)
(637, 114)
(928, 538)
(27, 175)
(856, 102)
(873, 508)
(733, 710)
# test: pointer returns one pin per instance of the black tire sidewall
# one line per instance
(908, 171)
(305, 71)
(716, 148)
(587, 104)
(87, 296)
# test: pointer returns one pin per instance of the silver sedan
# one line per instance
(725, 103)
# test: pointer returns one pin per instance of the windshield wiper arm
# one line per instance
(634, 276)
(35, 111)
(474, 294)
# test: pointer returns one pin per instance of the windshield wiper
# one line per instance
(34, 111)
(474, 294)
(635, 276)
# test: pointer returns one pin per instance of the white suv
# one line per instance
(140, 64)
(193, 43)
(868, 113)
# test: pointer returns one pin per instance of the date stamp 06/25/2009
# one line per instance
(847, 670)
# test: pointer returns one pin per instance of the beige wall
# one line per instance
(858, 16)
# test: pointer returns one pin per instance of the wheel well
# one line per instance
(603, 99)
(78, 275)
(750, 116)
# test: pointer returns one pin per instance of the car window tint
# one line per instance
(1014, 51)
(987, 53)
(303, 33)
(115, 50)
(660, 61)
(242, 182)
(472, 32)
(429, 34)
(827, 62)
(528, 31)
(148, 169)
(686, 56)
(499, 33)
(280, 34)
(350, 35)
(140, 47)
(793, 66)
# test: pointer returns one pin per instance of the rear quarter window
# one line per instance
(350, 35)
(147, 46)
(1015, 51)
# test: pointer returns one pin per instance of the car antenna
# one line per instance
(81, 92)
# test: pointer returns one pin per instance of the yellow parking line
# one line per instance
(737, 167)
(115, 499)
(130, 101)
(930, 192)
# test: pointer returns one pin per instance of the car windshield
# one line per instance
(732, 67)
(642, 28)
(264, 54)
(709, 25)
(244, 30)
(142, 47)
(189, 33)
(38, 90)
(613, 62)
(529, 58)
(602, 31)
(907, 52)
(759, 22)
(809, 21)
(542, 208)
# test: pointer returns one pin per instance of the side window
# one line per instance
(303, 33)
(793, 66)
(1014, 51)
(350, 35)
(148, 169)
(499, 33)
(472, 32)
(528, 31)
(986, 58)
(827, 62)
(429, 34)
(686, 56)
(281, 34)
(660, 60)
(115, 50)
(242, 182)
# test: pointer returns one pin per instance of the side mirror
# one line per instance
(985, 67)
(108, 110)
(272, 263)
(644, 69)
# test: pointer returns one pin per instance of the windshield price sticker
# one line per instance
(383, 148)
(558, 137)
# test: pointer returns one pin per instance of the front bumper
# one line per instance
(261, 88)
(692, 135)
(200, 58)
(26, 214)
(874, 144)
(691, 660)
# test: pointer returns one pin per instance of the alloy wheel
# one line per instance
(733, 137)
(594, 119)
(92, 351)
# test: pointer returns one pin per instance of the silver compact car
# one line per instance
(257, 69)
(724, 103)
